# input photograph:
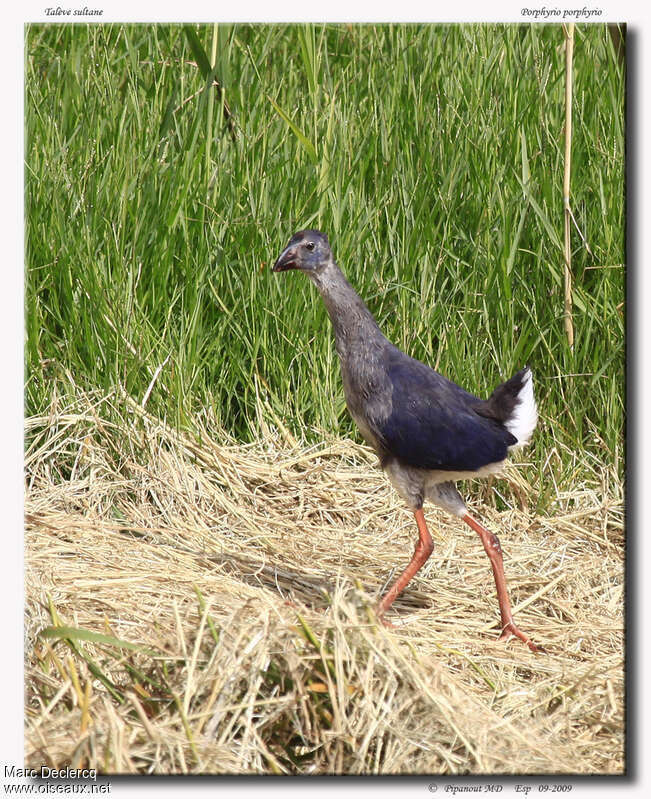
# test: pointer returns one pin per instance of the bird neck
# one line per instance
(350, 317)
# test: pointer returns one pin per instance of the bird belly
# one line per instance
(415, 485)
(435, 476)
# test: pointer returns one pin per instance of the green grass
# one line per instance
(433, 158)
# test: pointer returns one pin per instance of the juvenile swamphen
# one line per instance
(427, 431)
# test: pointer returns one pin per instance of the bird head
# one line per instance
(308, 250)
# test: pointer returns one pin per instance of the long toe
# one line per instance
(388, 624)
(379, 613)
(511, 630)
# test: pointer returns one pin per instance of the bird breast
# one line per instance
(367, 389)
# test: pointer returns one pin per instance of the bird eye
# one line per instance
(310, 245)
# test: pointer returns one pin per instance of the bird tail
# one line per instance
(513, 405)
(524, 416)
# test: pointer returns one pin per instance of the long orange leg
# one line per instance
(424, 549)
(494, 551)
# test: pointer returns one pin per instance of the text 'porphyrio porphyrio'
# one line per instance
(427, 431)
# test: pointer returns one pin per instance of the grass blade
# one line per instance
(307, 144)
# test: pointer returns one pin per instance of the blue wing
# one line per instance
(435, 424)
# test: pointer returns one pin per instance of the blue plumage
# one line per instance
(435, 424)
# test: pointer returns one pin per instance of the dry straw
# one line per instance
(240, 580)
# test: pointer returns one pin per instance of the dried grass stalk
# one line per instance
(247, 574)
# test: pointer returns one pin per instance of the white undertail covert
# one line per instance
(525, 414)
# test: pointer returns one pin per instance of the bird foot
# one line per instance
(379, 614)
(380, 617)
(510, 629)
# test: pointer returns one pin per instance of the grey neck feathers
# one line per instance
(350, 317)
